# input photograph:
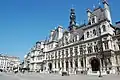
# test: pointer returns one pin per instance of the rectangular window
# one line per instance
(66, 52)
(55, 64)
(71, 51)
(62, 64)
(81, 50)
(96, 48)
(76, 50)
(59, 54)
(90, 50)
(106, 45)
(62, 53)
(119, 47)
(56, 55)
(71, 64)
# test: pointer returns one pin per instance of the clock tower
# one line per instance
(72, 23)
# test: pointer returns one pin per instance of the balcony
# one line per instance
(39, 61)
(32, 61)
(41, 54)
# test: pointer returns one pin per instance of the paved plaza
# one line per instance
(43, 76)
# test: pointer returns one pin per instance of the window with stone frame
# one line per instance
(90, 50)
(75, 38)
(106, 45)
(62, 64)
(81, 49)
(55, 54)
(76, 62)
(87, 34)
(66, 40)
(82, 64)
(76, 50)
(89, 22)
(94, 32)
(66, 52)
(59, 54)
(71, 63)
(62, 53)
(95, 48)
(58, 63)
(71, 51)
(55, 63)
(119, 47)
(104, 28)
(99, 31)
(93, 20)
(118, 39)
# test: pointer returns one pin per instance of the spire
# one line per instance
(72, 18)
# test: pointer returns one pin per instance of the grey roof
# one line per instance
(99, 13)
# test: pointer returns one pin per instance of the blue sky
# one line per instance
(23, 22)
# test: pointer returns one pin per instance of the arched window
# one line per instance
(94, 31)
(87, 34)
(104, 28)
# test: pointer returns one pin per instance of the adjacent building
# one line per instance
(92, 47)
(8, 63)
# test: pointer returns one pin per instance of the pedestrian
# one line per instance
(118, 70)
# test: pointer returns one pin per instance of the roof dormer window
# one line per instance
(87, 34)
(89, 23)
(94, 32)
(104, 28)
(93, 20)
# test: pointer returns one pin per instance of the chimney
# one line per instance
(60, 33)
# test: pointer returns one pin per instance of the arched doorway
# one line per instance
(95, 64)
(50, 66)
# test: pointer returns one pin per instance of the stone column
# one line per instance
(57, 64)
(113, 63)
(109, 44)
(61, 64)
(69, 67)
(64, 65)
(78, 63)
(78, 50)
(73, 65)
(53, 65)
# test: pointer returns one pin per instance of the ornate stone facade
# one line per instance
(87, 48)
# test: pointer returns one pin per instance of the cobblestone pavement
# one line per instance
(45, 76)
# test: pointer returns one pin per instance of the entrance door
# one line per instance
(95, 63)
(50, 66)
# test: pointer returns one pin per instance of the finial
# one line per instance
(93, 6)
(105, 1)
(72, 6)
(55, 28)
(88, 10)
